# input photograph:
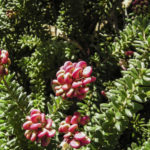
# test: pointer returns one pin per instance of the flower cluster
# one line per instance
(129, 53)
(103, 93)
(72, 80)
(11, 14)
(4, 62)
(38, 128)
(70, 126)
(140, 6)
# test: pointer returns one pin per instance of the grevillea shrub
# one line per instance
(72, 128)
(4, 62)
(111, 37)
(38, 128)
(72, 80)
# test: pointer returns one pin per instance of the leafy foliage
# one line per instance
(97, 31)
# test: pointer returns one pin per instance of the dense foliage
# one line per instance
(113, 37)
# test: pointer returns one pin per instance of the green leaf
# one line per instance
(148, 94)
(147, 79)
(118, 115)
(138, 99)
(148, 39)
(118, 126)
(128, 113)
(128, 81)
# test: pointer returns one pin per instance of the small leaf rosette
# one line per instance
(73, 137)
(72, 80)
(4, 62)
(38, 128)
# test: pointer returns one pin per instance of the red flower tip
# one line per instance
(73, 128)
(27, 125)
(87, 71)
(79, 136)
(49, 123)
(75, 144)
(51, 133)
(68, 119)
(35, 111)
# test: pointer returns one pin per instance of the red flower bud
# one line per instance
(60, 78)
(35, 111)
(84, 90)
(69, 69)
(60, 129)
(73, 128)
(28, 134)
(87, 80)
(4, 59)
(68, 78)
(76, 84)
(74, 65)
(93, 79)
(59, 92)
(35, 126)
(103, 93)
(75, 144)
(87, 71)
(66, 87)
(57, 87)
(85, 141)
(79, 136)
(33, 136)
(42, 133)
(77, 72)
(43, 118)
(129, 53)
(27, 125)
(81, 64)
(70, 92)
(49, 123)
(63, 122)
(55, 82)
(51, 133)
(5, 52)
(36, 118)
(67, 63)
(64, 128)
(68, 119)
(67, 135)
(75, 119)
(84, 120)
(61, 71)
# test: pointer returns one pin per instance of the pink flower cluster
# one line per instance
(38, 128)
(4, 60)
(72, 80)
(70, 126)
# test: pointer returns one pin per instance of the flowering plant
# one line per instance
(72, 80)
